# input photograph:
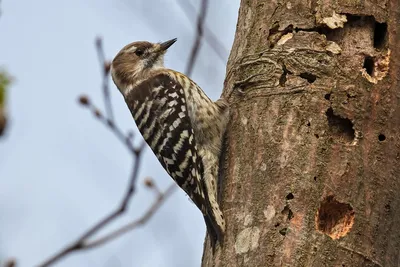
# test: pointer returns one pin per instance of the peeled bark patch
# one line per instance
(334, 218)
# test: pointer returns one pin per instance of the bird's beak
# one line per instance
(164, 46)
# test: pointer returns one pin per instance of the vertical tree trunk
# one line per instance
(311, 171)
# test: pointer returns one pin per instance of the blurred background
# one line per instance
(60, 169)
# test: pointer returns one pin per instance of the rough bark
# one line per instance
(311, 169)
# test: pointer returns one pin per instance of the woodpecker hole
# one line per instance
(334, 218)
(287, 212)
(380, 33)
(289, 196)
(283, 231)
(315, 178)
(328, 96)
(308, 76)
(340, 126)
(369, 65)
(387, 207)
(381, 137)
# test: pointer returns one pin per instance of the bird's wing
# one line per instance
(159, 108)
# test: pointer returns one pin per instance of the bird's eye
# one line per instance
(139, 52)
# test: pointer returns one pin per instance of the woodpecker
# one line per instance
(181, 124)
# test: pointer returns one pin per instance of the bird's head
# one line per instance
(136, 60)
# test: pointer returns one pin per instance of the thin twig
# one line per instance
(79, 243)
(132, 225)
(199, 35)
(125, 139)
(209, 36)
(105, 69)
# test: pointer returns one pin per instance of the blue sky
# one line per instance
(60, 169)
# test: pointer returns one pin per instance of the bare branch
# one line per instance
(125, 139)
(209, 36)
(79, 243)
(132, 225)
(199, 35)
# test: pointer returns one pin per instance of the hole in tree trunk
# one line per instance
(327, 96)
(369, 65)
(381, 137)
(380, 35)
(283, 231)
(340, 126)
(334, 218)
(308, 76)
(289, 196)
(288, 212)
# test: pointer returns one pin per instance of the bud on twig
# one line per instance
(84, 100)
(149, 182)
(97, 113)
(107, 67)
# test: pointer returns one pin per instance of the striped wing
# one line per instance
(158, 106)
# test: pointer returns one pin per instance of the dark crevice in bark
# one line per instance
(283, 78)
(339, 126)
(308, 76)
(221, 170)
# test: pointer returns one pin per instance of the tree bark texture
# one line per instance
(311, 168)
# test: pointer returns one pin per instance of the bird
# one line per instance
(182, 125)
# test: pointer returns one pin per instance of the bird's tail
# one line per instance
(213, 217)
(214, 233)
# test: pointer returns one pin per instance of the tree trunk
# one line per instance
(311, 169)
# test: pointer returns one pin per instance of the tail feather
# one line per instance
(214, 234)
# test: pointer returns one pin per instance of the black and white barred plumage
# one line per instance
(183, 127)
